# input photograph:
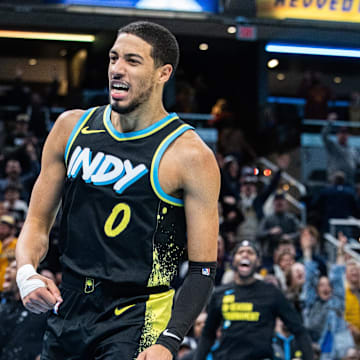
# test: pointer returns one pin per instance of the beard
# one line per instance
(249, 274)
(134, 104)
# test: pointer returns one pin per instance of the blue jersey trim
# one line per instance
(81, 122)
(133, 135)
(155, 166)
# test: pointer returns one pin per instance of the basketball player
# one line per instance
(133, 180)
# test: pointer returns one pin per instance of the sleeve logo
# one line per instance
(205, 271)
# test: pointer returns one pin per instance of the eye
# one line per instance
(112, 58)
(133, 61)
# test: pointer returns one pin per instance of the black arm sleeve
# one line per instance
(208, 333)
(292, 320)
(191, 299)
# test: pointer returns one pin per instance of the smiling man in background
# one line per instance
(247, 311)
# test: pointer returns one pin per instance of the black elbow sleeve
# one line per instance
(192, 297)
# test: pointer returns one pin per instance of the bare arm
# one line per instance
(193, 169)
(33, 241)
(201, 183)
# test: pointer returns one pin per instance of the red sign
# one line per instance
(246, 32)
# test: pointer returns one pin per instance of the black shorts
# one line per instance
(97, 325)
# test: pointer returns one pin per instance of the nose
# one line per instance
(117, 69)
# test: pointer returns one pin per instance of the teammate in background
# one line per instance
(247, 310)
(133, 180)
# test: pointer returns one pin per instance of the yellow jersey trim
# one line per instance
(134, 135)
(154, 179)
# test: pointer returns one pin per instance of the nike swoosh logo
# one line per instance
(86, 131)
(166, 332)
(120, 311)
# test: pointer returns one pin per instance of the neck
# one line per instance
(244, 281)
(142, 117)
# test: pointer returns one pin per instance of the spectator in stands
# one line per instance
(39, 116)
(324, 306)
(282, 266)
(252, 201)
(280, 224)
(185, 98)
(14, 205)
(19, 94)
(229, 195)
(3, 210)
(316, 94)
(352, 298)
(354, 108)
(223, 260)
(336, 201)
(7, 244)
(231, 140)
(284, 343)
(285, 245)
(187, 347)
(52, 91)
(195, 336)
(230, 175)
(352, 354)
(309, 244)
(340, 155)
(222, 116)
(21, 332)
(16, 137)
(14, 175)
(295, 280)
(247, 310)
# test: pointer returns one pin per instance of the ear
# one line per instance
(164, 73)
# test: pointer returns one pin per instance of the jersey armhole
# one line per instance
(154, 173)
(75, 132)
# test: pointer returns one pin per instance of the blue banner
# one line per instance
(210, 6)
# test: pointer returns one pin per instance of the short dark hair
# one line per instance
(165, 48)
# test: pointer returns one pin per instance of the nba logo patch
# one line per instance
(205, 271)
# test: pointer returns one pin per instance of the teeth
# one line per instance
(245, 262)
(120, 86)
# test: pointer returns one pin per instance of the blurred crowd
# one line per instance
(295, 258)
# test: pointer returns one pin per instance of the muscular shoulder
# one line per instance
(194, 159)
(67, 120)
(190, 149)
(63, 127)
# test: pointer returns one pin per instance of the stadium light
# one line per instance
(311, 50)
(46, 36)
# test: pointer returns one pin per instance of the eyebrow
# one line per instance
(134, 55)
(128, 55)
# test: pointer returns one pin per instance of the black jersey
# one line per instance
(118, 224)
(247, 314)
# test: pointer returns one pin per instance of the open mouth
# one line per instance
(119, 89)
(244, 265)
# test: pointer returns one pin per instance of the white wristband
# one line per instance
(26, 285)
